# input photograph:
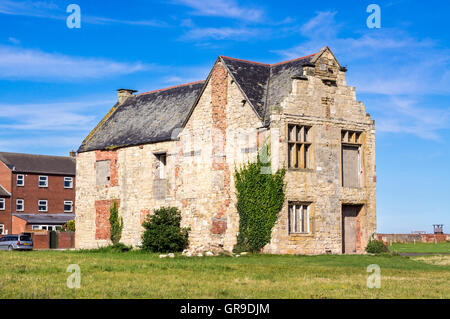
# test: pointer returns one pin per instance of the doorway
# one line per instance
(350, 228)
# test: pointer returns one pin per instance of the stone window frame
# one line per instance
(22, 204)
(309, 215)
(2, 204)
(352, 137)
(305, 142)
(40, 204)
(161, 169)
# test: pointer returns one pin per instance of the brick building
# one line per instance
(36, 192)
(180, 146)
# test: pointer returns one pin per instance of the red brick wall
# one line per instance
(55, 194)
(409, 238)
(18, 225)
(102, 226)
(112, 157)
(66, 240)
(41, 240)
(219, 101)
(5, 215)
(5, 177)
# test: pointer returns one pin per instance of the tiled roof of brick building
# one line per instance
(153, 116)
(39, 164)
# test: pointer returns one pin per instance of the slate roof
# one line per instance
(39, 164)
(4, 192)
(46, 218)
(151, 117)
(145, 118)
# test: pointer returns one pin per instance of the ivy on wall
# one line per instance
(260, 197)
(116, 224)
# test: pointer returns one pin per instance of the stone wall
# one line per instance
(328, 109)
(222, 133)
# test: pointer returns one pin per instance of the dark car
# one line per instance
(16, 242)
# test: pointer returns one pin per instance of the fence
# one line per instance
(53, 239)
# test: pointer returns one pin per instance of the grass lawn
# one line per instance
(135, 274)
(421, 247)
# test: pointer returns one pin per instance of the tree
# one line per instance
(116, 224)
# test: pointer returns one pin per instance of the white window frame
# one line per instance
(22, 179)
(2, 204)
(2, 229)
(68, 202)
(68, 179)
(46, 181)
(292, 229)
(22, 203)
(46, 205)
(45, 227)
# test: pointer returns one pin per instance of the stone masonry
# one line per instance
(223, 131)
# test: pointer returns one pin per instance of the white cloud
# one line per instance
(49, 10)
(13, 40)
(220, 33)
(27, 64)
(222, 8)
(66, 116)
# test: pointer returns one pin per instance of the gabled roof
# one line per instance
(4, 192)
(145, 118)
(39, 164)
(153, 116)
(50, 219)
(265, 85)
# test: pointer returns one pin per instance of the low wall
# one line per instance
(410, 238)
(65, 240)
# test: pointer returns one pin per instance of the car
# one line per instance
(16, 242)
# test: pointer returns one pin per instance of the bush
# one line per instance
(116, 224)
(376, 247)
(163, 232)
(69, 226)
(260, 197)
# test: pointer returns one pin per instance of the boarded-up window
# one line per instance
(103, 172)
(299, 146)
(161, 165)
(351, 160)
(298, 218)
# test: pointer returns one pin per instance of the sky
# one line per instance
(56, 82)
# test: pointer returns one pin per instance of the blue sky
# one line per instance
(56, 83)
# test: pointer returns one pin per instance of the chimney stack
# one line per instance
(123, 94)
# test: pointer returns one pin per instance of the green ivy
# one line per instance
(116, 224)
(260, 197)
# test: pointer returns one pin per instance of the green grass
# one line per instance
(421, 247)
(135, 274)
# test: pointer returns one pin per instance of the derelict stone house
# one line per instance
(179, 147)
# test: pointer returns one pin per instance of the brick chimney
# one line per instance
(123, 94)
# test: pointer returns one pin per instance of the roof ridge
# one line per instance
(37, 155)
(171, 87)
(267, 64)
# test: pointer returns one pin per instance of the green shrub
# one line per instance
(69, 226)
(116, 224)
(376, 247)
(260, 197)
(163, 232)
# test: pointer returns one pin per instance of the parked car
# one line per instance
(16, 242)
